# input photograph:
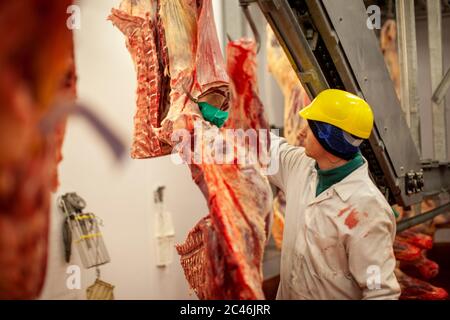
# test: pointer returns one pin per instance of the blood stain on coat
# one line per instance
(341, 212)
(352, 219)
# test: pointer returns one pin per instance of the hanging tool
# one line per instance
(244, 5)
(84, 229)
(67, 239)
(209, 112)
(164, 230)
(100, 290)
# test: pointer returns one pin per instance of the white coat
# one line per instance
(337, 245)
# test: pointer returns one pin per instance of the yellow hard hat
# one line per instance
(343, 110)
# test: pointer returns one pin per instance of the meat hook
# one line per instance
(244, 4)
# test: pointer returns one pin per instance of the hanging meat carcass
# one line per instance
(222, 255)
(141, 24)
(36, 76)
(295, 96)
(177, 40)
(228, 259)
(388, 44)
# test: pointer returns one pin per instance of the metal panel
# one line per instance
(436, 70)
(436, 176)
(290, 26)
(442, 88)
(332, 43)
(366, 60)
(356, 57)
(379, 163)
(284, 24)
(407, 48)
(413, 221)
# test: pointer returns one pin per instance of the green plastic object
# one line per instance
(396, 214)
(212, 114)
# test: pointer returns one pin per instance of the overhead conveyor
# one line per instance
(330, 45)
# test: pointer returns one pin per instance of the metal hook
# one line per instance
(390, 10)
(189, 95)
(244, 4)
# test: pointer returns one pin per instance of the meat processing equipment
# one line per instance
(319, 38)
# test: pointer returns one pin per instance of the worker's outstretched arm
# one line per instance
(287, 158)
(371, 256)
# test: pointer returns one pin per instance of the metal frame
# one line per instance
(294, 42)
(367, 63)
(407, 48)
(244, 5)
(442, 88)
(436, 71)
(421, 218)
(436, 176)
(360, 68)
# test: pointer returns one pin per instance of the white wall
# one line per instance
(121, 194)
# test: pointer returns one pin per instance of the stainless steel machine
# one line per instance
(330, 45)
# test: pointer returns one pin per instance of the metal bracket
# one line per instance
(244, 5)
(308, 76)
(408, 65)
(442, 88)
(421, 218)
(269, 4)
(414, 182)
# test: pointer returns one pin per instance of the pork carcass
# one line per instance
(36, 77)
(222, 255)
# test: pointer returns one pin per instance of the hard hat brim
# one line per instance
(311, 113)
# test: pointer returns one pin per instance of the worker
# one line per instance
(339, 228)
